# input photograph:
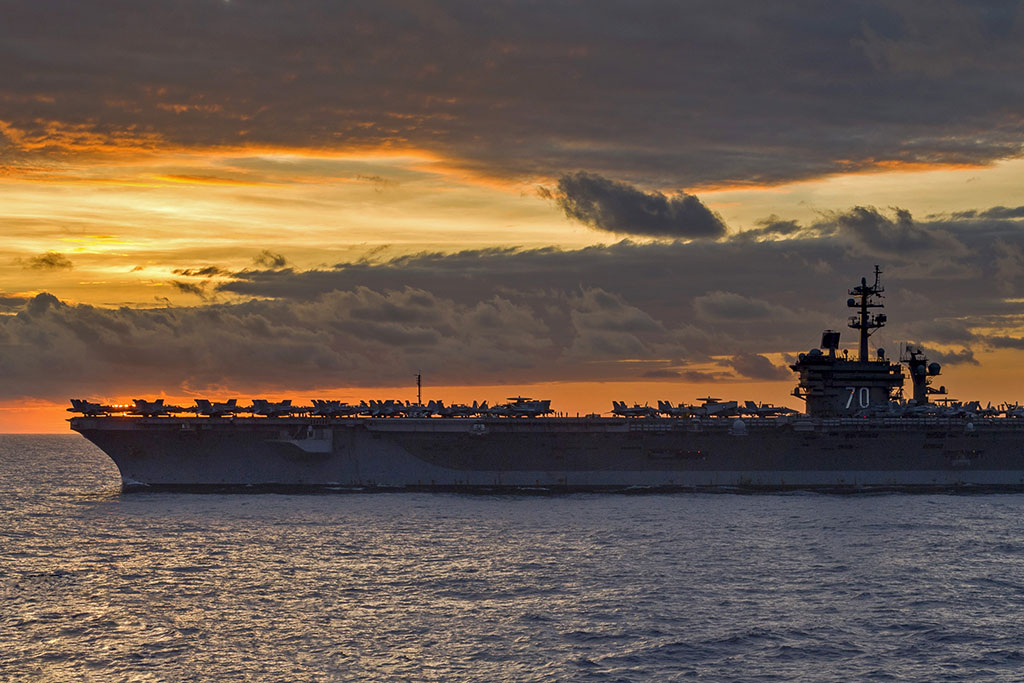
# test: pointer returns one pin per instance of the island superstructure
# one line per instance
(857, 432)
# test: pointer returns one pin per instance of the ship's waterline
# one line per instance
(563, 454)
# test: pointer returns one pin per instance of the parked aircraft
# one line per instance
(388, 408)
(153, 408)
(458, 409)
(80, 405)
(1013, 410)
(326, 408)
(261, 406)
(520, 406)
(417, 410)
(205, 407)
(715, 407)
(666, 408)
(619, 408)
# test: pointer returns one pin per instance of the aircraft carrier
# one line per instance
(858, 432)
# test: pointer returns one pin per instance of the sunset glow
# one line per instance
(537, 212)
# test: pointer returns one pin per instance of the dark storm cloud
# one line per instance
(51, 260)
(659, 93)
(621, 208)
(706, 310)
(720, 283)
(900, 236)
(335, 341)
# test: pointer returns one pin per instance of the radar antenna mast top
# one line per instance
(864, 321)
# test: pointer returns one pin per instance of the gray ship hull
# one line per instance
(556, 454)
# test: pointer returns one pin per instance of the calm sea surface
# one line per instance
(100, 586)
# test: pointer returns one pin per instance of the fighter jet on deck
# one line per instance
(153, 408)
(668, 410)
(326, 408)
(80, 405)
(457, 409)
(417, 410)
(387, 408)
(619, 408)
(205, 407)
(261, 406)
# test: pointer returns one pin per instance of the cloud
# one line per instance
(12, 302)
(661, 374)
(756, 366)
(995, 212)
(1002, 342)
(698, 376)
(770, 228)
(342, 338)
(621, 208)
(1003, 212)
(720, 305)
(205, 271)
(619, 312)
(41, 304)
(961, 357)
(189, 288)
(868, 231)
(51, 260)
(269, 259)
(636, 95)
(944, 331)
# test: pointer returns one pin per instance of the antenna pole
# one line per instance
(864, 322)
(419, 389)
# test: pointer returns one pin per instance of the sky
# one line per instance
(582, 201)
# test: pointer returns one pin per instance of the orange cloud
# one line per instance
(95, 146)
(77, 137)
(207, 180)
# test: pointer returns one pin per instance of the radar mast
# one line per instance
(865, 321)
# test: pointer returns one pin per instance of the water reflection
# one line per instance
(430, 587)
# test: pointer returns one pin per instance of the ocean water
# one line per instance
(100, 586)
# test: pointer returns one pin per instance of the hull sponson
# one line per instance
(559, 454)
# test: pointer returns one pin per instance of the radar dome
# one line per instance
(934, 368)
